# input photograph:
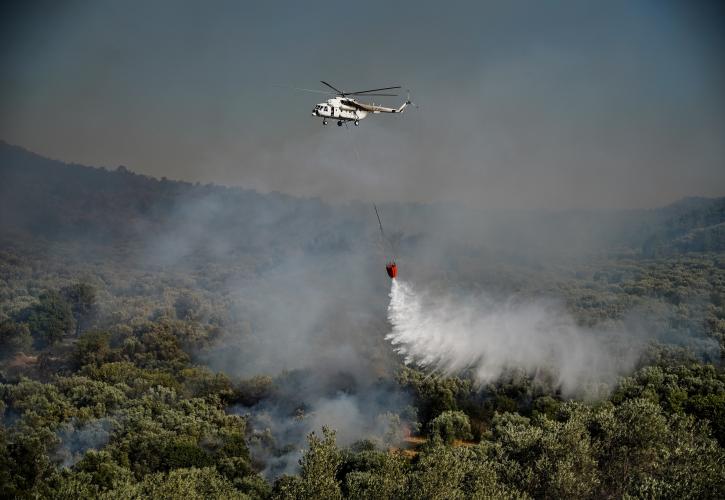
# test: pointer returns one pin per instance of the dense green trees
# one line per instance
(689, 388)
(14, 338)
(367, 472)
(608, 451)
(128, 418)
(157, 432)
(114, 395)
(50, 319)
(132, 415)
(82, 299)
(55, 315)
(449, 426)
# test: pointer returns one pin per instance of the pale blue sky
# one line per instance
(522, 104)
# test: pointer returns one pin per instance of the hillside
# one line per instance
(159, 337)
(69, 202)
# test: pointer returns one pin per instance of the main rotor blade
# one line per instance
(304, 90)
(333, 88)
(364, 95)
(373, 90)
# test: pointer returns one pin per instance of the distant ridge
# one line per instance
(52, 199)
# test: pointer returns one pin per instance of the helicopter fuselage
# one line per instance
(337, 110)
(345, 108)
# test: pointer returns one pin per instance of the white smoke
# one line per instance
(278, 439)
(442, 332)
(76, 438)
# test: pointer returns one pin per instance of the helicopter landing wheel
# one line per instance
(324, 122)
(357, 122)
(339, 123)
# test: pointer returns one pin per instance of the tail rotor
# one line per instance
(408, 101)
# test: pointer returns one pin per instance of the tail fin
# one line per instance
(406, 103)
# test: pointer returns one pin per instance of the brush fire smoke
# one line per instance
(490, 337)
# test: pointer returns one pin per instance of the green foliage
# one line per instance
(548, 458)
(187, 306)
(180, 483)
(610, 451)
(689, 387)
(546, 406)
(166, 431)
(710, 407)
(93, 348)
(287, 488)
(50, 319)
(139, 380)
(40, 405)
(433, 395)
(444, 472)
(99, 398)
(102, 470)
(156, 346)
(180, 453)
(639, 448)
(68, 485)
(170, 428)
(14, 338)
(373, 474)
(251, 391)
(319, 467)
(202, 382)
(450, 425)
(82, 299)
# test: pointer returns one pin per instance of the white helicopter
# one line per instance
(345, 108)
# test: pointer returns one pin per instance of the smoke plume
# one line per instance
(76, 438)
(279, 437)
(488, 337)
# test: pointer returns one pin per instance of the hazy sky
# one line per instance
(522, 104)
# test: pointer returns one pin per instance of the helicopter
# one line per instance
(346, 108)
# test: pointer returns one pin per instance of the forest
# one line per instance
(163, 339)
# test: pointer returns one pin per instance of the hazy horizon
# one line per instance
(564, 105)
(354, 201)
